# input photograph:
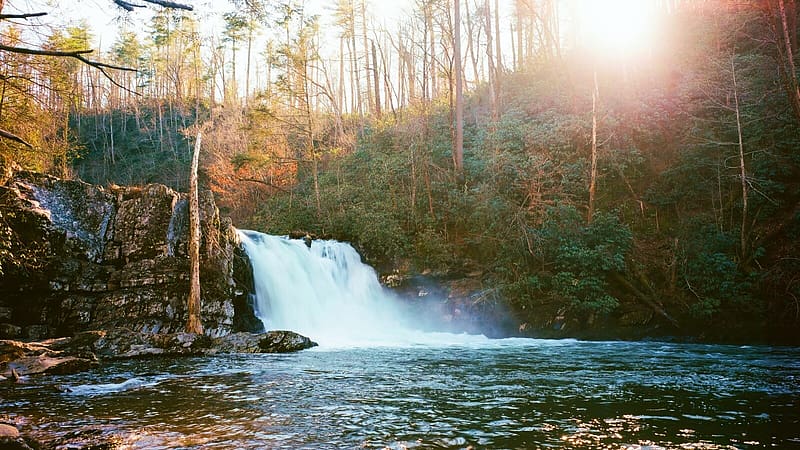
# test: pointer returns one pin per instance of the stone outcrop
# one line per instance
(75, 256)
(86, 349)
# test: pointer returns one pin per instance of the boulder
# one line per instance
(9, 443)
(281, 341)
(275, 341)
(55, 365)
(8, 431)
(22, 358)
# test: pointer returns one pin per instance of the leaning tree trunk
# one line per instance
(193, 324)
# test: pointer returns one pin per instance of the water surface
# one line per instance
(517, 393)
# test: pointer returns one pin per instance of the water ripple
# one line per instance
(536, 395)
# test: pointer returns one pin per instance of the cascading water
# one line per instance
(324, 292)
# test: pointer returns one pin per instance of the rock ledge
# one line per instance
(86, 349)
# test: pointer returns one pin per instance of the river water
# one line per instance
(459, 393)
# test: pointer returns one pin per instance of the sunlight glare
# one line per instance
(616, 26)
(390, 12)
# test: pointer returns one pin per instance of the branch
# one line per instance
(267, 183)
(33, 51)
(21, 16)
(127, 6)
(644, 297)
(168, 4)
(13, 137)
(77, 54)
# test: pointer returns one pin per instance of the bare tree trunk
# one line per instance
(434, 84)
(518, 64)
(247, 69)
(498, 66)
(471, 42)
(490, 58)
(458, 150)
(376, 81)
(354, 107)
(370, 101)
(789, 31)
(593, 174)
(426, 55)
(340, 84)
(111, 136)
(193, 323)
(742, 169)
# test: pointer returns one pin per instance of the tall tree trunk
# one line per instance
(426, 55)
(357, 92)
(340, 83)
(111, 137)
(593, 174)
(471, 40)
(788, 29)
(370, 100)
(458, 150)
(353, 93)
(247, 69)
(498, 66)
(520, 27)
(376, 84)
(742, 169)
(490, 58)
(434, 85)
(193, 323)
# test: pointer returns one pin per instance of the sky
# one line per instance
(105, 18)
(611, 24)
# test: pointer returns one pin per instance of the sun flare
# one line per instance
(616, 26)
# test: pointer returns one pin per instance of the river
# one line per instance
(457, 393)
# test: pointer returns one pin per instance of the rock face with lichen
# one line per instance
(75, 256)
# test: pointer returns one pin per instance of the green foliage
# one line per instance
(713, 276)
(580, 256)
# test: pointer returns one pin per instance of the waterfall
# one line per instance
(324, 292)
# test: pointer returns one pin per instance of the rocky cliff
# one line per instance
(75, 256)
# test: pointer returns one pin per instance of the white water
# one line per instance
(326, 293)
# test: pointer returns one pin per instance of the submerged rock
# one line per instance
(91, 438)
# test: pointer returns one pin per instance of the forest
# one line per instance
(633, 161)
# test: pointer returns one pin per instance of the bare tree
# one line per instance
(458, 146)
(193, 323)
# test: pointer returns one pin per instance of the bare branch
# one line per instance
(168, 4)
(13, 137)
(33, 51)
(127, 6)
(21, 16)
(264, 182)
(77, 54)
